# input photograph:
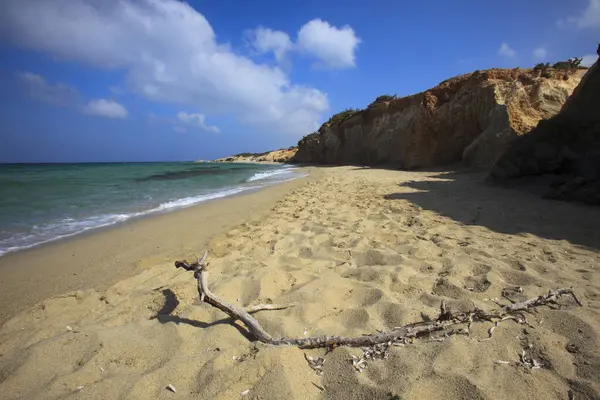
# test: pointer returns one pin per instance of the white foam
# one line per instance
(268, 174)
(50, 232)
(189, 201)
(66, 227)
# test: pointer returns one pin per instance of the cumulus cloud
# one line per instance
(196, 120)
(58, 94)
(589, 59)
(265, 40)
(588, 18)
(540, 53)
(105, 108)
(169, 53)
(506, 51)
(334, 47)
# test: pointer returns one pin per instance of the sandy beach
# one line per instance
(107, 315)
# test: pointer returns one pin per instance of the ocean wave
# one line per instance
(58, 229)
(269, 174)
(189, 201)
(66, 227)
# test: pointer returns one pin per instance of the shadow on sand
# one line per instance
(164, 315)
(467, 198)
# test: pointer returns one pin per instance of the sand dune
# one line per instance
(356, 250)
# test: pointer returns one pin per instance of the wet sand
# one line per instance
(101, 257)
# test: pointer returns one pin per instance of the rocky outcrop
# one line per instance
(472, 117)
(567, 145)
(275, 156)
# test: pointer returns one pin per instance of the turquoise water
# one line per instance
(44, 202)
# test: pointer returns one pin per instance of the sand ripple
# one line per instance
(356, 250)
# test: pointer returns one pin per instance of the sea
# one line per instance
(40, 203)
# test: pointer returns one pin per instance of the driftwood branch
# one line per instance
(445, 325)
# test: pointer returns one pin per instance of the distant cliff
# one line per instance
(472, 117)
(275, 156)
(567, 145)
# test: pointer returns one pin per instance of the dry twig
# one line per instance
(377, 344)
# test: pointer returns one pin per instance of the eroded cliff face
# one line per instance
(567, 145)
(472, 117)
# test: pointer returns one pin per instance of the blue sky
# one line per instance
(158, 80)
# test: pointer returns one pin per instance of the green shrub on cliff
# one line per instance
(571, 63)
(341, 116)
(565, 66)
(307, 139)
(382, 99)
(250, 154)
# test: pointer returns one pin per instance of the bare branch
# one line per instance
(267, 307)
(446, 324)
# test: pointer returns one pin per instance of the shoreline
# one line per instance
(66, 264)
(140, 215)
(48, 230)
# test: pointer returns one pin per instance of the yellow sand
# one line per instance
(356, 250)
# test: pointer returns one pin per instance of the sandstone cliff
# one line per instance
(567, 144)
(472, 117)
(275, 156)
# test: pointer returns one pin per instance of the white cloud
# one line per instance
(64, 95)
(264, 40)
(38, 89)
(588, 18)
(333, 47)
(105, 108)
(589, 60)
(116, 90)
(197, 120)
(540, 53)
(506, 51)
(169, 53)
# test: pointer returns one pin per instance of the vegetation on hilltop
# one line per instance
(341, 116)
(250, 154)
(383, 99)
(571, 63)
